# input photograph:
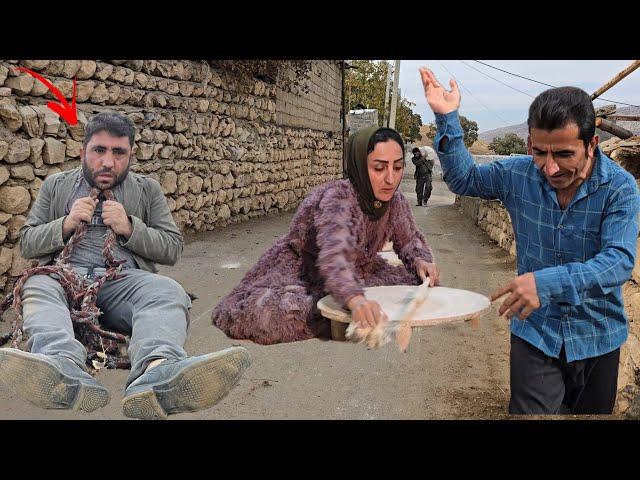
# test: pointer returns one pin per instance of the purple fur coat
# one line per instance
(331, 248)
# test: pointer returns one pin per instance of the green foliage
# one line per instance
(470, 130)
(510, 143)
(365, 84)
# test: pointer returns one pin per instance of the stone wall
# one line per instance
(493, 218)
(224, 148)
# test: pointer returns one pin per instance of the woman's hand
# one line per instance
(366, 313)
(426, 269)
(439, 99)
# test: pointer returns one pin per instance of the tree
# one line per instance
(510, 143)
(469, 127)
(470, 131)
(407, 122)
(366, 84)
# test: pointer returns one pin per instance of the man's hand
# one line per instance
(81, 211)
(426, 269)
(366, 313)
(439, 99)
(114, 216)
(523, 299)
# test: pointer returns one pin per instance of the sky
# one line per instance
(494, 105)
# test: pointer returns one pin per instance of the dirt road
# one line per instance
(448, 372)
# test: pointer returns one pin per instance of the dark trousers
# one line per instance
(546, 385)
(423, 189)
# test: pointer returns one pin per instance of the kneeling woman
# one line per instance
(331, 248)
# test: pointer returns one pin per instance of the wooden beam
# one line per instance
(623, 118)
(612, 128)
(615, 79)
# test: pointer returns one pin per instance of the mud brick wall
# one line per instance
(493, 218)
(224, 148)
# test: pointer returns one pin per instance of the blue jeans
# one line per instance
(153, 309)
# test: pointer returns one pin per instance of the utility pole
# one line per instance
(394, 98)
(385, 112)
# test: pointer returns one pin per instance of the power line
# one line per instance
(493, 78)
(549, 85)
(506, 124)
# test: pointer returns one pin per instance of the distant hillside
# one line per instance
(522, 130)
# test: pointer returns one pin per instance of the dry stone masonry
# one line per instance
(224, 148)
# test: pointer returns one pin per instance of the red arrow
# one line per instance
(68, 112)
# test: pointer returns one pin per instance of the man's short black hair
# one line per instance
(416, 150)
(558, 107)
(114, 123)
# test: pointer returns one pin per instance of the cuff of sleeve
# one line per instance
(550, 286)
(136, 232)
(344, 296)
(448, 126)
(58, 238)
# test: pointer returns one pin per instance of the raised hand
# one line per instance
(440, 100)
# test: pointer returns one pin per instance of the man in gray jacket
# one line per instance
(152, 308)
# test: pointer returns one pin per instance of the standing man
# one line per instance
(151, 308)
(424, 167)
(575, 217)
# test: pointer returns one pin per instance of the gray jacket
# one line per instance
(155, 237)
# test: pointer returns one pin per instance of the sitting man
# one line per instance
(151, 308)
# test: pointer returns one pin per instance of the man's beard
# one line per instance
(90, 175)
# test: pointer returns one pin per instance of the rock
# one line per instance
(70, 68)
(14, 199)
(23, 172)
(4, 174)
(77, 131)
(114, 92)
(140, 80)
(100, 94)
(6, 258)
(4, 71)
(34, 188)
(39, 89)
(9, 114)
(216, 182)
(85, 89)
(65, 87)
(5, 217)
(54, 151)
(183, 183)
(195, 185)
(169, 182)
(225, 212)
(21, 85)
(4, 148)
(144, 151)
(103, 71)
(35, 65)
(5, 92)
(19, 264)
(3, 233)
(32, 121)
(19, 151)
(51, 121)
(14, 225)
(73, 148)
(86, 70)
(36, 145)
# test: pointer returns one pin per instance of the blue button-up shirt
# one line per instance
(581, 256)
